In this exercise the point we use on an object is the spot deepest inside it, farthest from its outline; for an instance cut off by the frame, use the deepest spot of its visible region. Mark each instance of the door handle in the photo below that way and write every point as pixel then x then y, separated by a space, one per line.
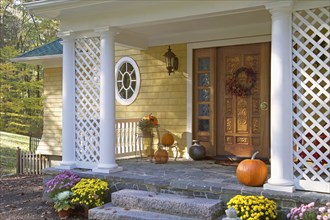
pixel 264 106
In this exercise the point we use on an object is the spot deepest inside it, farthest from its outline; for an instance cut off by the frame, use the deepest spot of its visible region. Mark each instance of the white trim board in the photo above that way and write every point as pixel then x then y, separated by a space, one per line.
pixel 47 61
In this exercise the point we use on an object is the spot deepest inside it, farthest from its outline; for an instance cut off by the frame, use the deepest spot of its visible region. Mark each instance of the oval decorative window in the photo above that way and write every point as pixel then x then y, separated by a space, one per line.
pixel 127 80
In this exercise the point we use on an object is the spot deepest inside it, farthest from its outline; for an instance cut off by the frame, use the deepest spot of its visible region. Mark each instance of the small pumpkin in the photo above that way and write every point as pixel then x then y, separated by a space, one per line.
pixel 161 156
pixel 252 172
pixel 167 139
pixel 151 118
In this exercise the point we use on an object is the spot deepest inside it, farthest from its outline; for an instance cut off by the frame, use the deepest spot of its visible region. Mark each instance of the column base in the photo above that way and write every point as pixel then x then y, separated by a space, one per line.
pixel 66 165
pixel 282 188
pixel 107 170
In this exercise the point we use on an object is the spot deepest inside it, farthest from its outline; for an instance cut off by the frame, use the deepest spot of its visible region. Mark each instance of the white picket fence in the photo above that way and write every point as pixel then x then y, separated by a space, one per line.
pixel 30 163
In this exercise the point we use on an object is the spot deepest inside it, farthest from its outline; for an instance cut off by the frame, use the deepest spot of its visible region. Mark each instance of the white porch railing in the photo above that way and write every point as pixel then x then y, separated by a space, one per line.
pixel 127 145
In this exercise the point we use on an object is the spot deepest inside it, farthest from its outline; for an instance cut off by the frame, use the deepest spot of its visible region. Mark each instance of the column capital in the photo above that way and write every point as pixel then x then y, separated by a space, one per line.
pixel 107 30
pixel 66 35
pixel 283 6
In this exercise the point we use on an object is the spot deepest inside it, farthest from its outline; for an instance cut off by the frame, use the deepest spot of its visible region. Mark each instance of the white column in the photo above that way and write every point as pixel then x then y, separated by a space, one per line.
pixel 281 100
pixel 107 162
pixel 68 102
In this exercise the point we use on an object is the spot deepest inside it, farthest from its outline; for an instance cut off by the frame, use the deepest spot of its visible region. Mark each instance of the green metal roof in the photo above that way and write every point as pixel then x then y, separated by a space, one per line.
pixel 53 48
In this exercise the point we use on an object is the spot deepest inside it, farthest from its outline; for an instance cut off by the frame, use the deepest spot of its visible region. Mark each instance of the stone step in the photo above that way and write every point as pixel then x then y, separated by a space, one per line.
pixel 178 205
pixel 110 212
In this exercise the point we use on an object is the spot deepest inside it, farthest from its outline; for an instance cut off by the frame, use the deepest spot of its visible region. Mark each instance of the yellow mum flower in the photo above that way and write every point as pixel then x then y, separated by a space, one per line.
pixel 253 207
pixel 90 192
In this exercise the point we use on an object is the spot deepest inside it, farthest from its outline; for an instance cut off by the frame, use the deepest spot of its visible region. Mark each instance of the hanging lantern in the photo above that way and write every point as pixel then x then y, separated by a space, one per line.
pixel 171 60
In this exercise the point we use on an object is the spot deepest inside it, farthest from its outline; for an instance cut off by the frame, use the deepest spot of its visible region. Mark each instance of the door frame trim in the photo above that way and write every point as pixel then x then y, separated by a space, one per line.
pixel 198 45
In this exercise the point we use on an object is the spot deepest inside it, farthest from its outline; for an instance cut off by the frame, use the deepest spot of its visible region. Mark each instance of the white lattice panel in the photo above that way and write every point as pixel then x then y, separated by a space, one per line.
pixel 87 121
pixel 311 112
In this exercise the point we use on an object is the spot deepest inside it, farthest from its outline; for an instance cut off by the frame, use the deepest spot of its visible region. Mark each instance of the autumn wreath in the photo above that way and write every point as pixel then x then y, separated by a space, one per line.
pixel 235 87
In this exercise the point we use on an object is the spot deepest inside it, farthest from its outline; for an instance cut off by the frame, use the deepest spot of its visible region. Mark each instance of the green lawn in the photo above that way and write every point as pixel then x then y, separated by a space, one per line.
pixel 8 145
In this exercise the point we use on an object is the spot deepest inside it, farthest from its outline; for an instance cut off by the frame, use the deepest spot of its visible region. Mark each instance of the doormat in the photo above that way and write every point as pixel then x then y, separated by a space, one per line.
pixel 227 162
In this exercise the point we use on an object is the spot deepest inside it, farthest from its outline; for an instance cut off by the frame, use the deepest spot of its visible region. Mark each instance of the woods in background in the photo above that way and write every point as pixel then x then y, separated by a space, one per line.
pixel 21 85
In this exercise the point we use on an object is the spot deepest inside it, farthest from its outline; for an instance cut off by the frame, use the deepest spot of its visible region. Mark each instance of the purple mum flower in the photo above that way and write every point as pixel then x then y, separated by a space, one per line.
pixel 61 182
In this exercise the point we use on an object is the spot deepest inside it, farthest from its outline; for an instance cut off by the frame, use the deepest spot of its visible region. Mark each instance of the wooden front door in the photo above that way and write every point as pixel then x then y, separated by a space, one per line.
pixel 237 98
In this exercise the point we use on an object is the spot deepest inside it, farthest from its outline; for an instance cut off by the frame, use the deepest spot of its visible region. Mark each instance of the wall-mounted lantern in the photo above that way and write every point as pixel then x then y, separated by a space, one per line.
pixel 171 60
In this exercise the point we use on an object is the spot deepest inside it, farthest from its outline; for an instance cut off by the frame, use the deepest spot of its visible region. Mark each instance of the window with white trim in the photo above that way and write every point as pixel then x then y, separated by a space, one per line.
pixel 127 81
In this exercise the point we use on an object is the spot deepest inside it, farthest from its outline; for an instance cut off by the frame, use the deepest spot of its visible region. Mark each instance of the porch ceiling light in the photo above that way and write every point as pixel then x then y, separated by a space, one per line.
pixel 171 60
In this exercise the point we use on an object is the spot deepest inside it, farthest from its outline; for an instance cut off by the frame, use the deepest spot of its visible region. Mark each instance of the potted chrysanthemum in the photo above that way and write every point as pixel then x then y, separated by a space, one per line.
pixel 89 193
pixel 253 207
pixel 310 212
pixel 61 182
pixel 58 189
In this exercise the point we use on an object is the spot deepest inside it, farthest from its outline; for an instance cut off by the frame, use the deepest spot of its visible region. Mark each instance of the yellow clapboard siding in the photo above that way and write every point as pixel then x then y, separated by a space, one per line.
pixel 160 94
pixel 51 141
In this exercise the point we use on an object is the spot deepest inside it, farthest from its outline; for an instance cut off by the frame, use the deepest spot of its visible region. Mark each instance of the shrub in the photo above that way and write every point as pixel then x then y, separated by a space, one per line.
pixel 253 207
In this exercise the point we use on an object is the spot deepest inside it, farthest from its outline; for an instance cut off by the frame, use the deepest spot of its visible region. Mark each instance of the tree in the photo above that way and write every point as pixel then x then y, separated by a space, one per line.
pixel 21 85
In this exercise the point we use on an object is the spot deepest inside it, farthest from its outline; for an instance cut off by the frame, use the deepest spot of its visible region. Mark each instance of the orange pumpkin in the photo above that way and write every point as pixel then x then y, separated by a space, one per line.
pixel 252 172
pixel 167 139
pixel 151 118
pixel 161 156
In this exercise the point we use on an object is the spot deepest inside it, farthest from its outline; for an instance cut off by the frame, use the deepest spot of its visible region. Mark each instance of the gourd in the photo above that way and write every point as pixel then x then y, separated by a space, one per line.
pixel 167 139
pixel 161 156
pixel 151 118
pixel 252 172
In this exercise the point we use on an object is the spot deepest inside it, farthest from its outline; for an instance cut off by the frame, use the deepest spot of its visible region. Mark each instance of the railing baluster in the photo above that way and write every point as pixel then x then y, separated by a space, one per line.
pixel 129 132
pixel 118 139
pixel 122 132
pixel 122 136
pixel 125 137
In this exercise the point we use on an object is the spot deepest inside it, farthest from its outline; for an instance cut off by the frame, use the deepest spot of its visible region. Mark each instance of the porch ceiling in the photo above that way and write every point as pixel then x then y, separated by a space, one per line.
pixel 158 22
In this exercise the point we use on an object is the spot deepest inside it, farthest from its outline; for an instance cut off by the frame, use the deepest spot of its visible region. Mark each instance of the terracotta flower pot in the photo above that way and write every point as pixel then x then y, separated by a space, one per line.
pixel 85 213
pixel 64 213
